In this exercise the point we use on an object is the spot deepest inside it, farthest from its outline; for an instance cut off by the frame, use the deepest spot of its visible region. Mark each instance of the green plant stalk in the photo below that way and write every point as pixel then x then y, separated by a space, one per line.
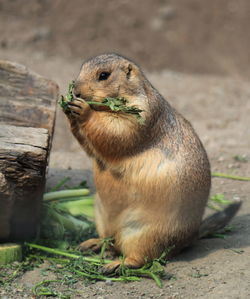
pixel 148 274
pixel 71 224
pixel 217 201
pixel 67 254
pixel 106 242
pixel 44 292
pixel 78 206
pixel 100 277
pixel 86 200
pixel 53 259
pixel 65 193
pixel 117 107
pixel 217 235
pixel 13 275
pixel 80 210
pixel 56 222
pixel 213 207
pixel 60 184
pixel 97 103
pixel 228 176
pixel 220 199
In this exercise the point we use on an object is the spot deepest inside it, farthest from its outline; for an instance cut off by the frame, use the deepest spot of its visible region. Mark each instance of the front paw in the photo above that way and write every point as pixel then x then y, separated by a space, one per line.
pixel 110 268
pixel 78 109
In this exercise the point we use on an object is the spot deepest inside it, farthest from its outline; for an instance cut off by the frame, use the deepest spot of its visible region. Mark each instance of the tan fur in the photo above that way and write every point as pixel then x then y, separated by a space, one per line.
pixel 152 180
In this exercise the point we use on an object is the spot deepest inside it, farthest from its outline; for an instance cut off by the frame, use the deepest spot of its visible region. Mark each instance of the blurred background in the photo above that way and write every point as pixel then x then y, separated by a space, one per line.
pixel 182 45
pixel 185 35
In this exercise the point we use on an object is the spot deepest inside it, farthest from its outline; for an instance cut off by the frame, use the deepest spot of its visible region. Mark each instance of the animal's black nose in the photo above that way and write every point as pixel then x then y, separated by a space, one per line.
pixel 76 92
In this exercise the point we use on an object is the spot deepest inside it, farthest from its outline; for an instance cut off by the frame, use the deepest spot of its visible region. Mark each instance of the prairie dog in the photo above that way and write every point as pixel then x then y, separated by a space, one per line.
pixel 152 179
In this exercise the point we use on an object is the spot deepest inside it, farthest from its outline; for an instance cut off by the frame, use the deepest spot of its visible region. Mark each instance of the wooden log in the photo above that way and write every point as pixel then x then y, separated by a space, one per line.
pixel 26 98
pixel 27 116
pixel 23 160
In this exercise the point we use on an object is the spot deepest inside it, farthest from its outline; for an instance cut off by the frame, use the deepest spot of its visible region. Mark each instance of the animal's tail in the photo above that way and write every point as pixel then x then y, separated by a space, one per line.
pixel 219 220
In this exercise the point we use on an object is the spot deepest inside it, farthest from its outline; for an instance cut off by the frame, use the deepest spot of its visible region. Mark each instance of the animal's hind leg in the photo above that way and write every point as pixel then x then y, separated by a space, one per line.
pixel 100 219
pixel 96 244
pixel 137 248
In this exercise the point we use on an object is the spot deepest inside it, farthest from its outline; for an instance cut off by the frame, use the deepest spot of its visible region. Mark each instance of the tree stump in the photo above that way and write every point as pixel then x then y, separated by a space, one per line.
pixel 27 116
pixel 26 98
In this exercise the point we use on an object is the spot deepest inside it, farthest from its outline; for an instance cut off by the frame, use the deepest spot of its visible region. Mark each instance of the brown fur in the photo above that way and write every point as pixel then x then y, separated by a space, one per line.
pixel 152 180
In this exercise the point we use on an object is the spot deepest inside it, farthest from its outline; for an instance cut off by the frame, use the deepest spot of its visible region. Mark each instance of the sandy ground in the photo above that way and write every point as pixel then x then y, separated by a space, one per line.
pixel 218 107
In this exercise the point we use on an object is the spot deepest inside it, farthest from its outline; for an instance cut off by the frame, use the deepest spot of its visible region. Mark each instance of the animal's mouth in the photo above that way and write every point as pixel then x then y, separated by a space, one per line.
pixel 99 107
pixel 115 105
pixel 94 104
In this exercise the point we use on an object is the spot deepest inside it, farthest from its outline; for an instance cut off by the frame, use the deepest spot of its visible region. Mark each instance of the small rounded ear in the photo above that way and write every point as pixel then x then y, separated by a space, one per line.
pixel 129 69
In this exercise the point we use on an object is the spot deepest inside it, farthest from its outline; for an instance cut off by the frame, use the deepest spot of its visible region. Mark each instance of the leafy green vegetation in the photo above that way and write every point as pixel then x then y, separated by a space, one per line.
pixel 65 100
pixel 240 158
pixel 89 267
pixel 114 104
pixel 217 201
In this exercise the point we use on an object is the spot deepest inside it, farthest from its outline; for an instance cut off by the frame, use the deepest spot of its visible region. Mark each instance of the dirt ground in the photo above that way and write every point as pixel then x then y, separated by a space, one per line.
pixel 196 54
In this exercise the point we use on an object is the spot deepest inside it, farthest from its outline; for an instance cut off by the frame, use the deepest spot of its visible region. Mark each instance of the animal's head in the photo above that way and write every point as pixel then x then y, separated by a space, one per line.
pixel 111 75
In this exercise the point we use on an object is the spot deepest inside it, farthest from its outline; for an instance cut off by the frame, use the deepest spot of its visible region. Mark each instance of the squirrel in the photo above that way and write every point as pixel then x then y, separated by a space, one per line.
pixel 152 179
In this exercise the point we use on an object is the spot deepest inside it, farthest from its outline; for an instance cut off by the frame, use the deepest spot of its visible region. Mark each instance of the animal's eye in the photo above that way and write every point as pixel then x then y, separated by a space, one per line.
pixel 103 76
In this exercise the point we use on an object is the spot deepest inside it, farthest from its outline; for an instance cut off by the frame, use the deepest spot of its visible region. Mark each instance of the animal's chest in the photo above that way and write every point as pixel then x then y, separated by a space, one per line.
pixel 137 178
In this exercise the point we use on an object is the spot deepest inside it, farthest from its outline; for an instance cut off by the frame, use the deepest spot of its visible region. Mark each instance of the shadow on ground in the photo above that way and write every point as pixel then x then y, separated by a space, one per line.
pixel 234 241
